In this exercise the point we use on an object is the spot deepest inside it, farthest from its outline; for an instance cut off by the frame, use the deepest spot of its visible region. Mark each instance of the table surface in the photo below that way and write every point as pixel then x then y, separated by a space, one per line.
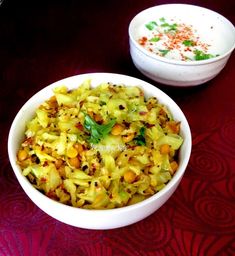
pixel 45 41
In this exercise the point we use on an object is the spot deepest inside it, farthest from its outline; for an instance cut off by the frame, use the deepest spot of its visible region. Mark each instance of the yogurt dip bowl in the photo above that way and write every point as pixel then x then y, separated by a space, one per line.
pixel 193 55
pixel 90 218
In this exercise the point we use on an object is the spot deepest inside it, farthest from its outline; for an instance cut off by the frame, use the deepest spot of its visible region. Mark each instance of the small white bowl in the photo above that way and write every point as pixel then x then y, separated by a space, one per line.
pixel 211 26
pixel 97 219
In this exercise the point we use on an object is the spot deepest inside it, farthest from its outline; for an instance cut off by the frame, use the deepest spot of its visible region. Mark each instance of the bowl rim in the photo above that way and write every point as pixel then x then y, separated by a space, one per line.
pixel 25 183
pixel 180 62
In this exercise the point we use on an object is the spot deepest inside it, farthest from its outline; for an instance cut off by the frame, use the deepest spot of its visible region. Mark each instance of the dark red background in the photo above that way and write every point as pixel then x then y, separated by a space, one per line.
pixel 44 41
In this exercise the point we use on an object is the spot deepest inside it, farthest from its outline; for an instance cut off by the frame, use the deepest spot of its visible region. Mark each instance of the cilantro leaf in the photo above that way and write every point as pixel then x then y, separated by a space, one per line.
pixel 151 25
pixel 172 27
pixel 188 43
pixel 97 131
pixel 154 39
pixel 169 27
pixel 164 52
pixel 200 55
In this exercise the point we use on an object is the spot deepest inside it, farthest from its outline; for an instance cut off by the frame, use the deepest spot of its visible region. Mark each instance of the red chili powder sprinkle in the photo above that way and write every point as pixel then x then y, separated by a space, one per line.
pixel 143 40
pixel 175 39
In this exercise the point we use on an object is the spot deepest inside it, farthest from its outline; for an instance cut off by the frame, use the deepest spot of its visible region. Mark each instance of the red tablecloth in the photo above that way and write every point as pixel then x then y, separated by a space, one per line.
pixel 44 41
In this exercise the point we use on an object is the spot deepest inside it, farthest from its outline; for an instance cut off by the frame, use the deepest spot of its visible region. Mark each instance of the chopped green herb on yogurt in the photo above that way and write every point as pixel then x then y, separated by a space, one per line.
pixel 188 43
pixel 151 25
pixel 174 40
pixel 154 39
pixel 164 52
pixel 199 55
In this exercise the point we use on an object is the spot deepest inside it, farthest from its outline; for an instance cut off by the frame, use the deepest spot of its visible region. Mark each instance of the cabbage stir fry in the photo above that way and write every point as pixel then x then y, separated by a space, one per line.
pixel 100 148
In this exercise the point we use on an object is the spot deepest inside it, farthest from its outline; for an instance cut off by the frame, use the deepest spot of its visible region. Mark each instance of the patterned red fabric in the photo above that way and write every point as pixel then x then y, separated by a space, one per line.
pixel 44 41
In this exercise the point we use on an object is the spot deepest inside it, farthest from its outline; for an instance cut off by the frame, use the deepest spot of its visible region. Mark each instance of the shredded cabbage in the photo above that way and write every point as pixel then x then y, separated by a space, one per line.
pixel 100 148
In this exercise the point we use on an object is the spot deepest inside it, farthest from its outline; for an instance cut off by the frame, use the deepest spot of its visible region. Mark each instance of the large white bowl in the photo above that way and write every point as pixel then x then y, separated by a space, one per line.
pixel 210 25
pixel 97 219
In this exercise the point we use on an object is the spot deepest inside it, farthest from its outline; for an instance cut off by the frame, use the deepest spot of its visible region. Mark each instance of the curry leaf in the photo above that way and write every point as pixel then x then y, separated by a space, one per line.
pixel 140 139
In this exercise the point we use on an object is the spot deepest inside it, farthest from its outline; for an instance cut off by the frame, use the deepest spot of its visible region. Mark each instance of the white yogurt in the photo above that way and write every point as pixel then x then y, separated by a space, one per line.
pixel 174 39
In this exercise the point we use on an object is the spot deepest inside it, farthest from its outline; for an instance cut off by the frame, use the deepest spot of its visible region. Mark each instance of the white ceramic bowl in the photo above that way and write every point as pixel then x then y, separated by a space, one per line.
pixel 212 28
pixel 97 219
